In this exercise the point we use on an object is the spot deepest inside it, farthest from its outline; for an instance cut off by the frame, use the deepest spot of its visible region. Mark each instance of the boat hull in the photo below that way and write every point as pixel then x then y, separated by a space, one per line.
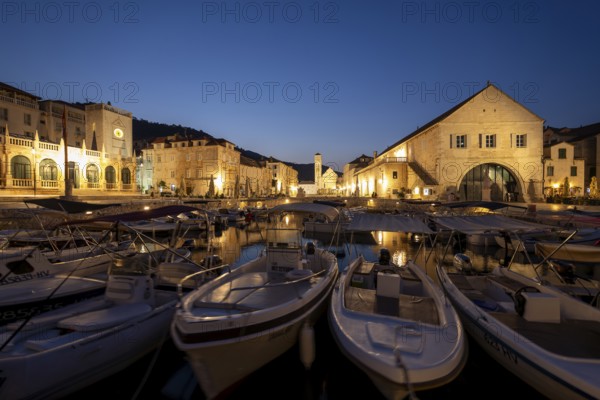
pixel 84 358
pixel 432 354
pixel 555 376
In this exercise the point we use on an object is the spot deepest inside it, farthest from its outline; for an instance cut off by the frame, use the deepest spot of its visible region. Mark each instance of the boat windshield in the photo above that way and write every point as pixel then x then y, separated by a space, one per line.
pixel 289 238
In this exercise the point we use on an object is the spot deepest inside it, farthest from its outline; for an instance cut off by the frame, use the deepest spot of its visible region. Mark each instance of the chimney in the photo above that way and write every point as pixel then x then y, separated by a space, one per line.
pixel 375 154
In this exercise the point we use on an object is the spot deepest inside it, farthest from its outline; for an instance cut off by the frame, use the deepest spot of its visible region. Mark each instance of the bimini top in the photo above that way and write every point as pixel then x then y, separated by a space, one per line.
pixel 330 212
pixel 387 223
pixel 474 224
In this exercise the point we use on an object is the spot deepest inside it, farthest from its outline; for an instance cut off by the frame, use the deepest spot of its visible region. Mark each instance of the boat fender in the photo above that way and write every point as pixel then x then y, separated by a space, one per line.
pixel 519 299
pixel 307 346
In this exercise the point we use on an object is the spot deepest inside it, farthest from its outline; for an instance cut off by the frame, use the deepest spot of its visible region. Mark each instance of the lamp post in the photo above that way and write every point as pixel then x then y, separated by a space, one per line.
pixel 34 174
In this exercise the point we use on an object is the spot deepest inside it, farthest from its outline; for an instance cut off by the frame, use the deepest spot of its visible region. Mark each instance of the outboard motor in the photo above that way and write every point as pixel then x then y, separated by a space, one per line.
pixel 310 248
pixel 462 263
pixel 384 256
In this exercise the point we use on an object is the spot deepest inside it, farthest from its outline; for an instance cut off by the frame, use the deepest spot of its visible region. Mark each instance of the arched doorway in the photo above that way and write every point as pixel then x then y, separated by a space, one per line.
pixel 92 175
pixel 126 176
pixel 501 182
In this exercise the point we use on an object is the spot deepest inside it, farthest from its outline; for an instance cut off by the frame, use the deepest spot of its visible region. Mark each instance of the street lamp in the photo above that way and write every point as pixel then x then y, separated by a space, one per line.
pixel 34 177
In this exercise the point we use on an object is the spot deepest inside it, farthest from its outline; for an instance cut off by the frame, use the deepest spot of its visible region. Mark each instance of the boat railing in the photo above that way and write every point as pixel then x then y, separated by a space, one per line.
pixel 199 273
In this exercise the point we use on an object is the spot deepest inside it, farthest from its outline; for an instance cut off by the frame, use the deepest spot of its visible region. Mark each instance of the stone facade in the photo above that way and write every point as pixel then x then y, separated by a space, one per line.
pixel 32 145
pixel 488 147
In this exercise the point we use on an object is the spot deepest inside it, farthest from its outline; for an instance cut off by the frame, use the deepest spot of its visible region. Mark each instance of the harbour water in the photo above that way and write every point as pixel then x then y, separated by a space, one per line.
pixel 164 374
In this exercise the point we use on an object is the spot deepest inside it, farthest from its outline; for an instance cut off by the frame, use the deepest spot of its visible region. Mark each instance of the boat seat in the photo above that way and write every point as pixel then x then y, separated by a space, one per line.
pixel 106 318
pixel 53 342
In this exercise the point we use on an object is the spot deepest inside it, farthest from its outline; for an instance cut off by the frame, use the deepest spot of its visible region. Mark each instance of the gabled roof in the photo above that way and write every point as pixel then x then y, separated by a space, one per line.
pixel 450 112
pixel 359 159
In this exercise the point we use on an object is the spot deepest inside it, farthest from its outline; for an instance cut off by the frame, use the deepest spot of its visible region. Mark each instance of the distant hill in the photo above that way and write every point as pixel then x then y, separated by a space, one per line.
pixel 148 130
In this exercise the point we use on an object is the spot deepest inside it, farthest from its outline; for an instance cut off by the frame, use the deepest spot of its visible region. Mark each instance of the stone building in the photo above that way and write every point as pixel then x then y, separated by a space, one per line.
pixel 487 147
pixel 586 147
pixel 37 151
pixel 563 172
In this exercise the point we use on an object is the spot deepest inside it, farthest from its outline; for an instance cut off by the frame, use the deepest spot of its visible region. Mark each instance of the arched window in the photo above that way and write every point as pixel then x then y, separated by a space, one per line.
pixel 21 167
pixel 48 170
pixel 111 175
pixel 126 176
pixel 91 174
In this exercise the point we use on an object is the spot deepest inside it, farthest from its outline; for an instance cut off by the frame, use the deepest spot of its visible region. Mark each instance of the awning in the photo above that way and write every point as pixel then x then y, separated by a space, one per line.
pixel 387 223
pixel 68 206
pixel 474 224
pixel 330 212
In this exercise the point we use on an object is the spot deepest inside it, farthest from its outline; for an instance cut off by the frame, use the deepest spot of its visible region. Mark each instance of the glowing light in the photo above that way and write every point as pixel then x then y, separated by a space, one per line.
pixel 146 207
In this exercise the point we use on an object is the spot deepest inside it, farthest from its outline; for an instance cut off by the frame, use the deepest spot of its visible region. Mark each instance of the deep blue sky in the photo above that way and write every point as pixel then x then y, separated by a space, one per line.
pixel 289 79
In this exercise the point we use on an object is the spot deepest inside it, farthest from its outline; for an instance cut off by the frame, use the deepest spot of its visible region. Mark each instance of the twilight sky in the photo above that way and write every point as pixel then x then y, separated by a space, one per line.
pixel 289 79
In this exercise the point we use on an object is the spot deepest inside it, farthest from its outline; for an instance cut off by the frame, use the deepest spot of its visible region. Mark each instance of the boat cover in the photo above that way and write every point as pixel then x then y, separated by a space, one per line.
pixel 569 252
pixel 478 224
pixel 330 212
pixel 387 223
pixel 68 206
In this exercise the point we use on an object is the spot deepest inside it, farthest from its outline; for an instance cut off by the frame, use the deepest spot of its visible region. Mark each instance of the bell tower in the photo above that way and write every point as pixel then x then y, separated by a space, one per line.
pixel 318 172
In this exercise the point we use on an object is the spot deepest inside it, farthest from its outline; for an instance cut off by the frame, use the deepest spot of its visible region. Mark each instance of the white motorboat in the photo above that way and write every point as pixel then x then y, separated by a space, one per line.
pixel 389 319
pixel 243 319
pixel 74 346
pixel 543 335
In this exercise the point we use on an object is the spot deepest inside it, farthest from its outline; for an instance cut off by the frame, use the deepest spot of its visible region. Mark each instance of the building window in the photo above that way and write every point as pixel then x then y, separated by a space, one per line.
pixel 490 141
pixel 521 140
pixel 172 157
pixel 562 153
pixel 188 173
pixel 550 170
pixel 27 119
pixel 394 174
pixel 198 173
pixel 461 141
pixel 188 157
pixel 172 174
pixel 158 159
pixel 198 156
pixel 573 171
pixel 4 114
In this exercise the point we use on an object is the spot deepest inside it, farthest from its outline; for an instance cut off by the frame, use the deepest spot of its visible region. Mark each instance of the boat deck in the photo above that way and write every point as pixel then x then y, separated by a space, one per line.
pixel 569 338
pixel 409 307
pixel 249 292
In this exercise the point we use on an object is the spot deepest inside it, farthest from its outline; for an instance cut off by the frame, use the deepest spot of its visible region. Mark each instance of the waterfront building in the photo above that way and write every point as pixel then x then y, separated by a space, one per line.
pixel 563 171
pixel 35 133
pixel 193 165
pixel 488 147
pixel 284 179
pixel 586 147
pixel 325 180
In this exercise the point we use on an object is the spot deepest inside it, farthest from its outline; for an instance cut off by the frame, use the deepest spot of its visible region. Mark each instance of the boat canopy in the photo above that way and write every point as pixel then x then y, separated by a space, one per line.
pixel 68 206
pixel 330 212
pixel 139 215
pixel 569 252
pixel 477 224
pixel 387 223
pixel 490 205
